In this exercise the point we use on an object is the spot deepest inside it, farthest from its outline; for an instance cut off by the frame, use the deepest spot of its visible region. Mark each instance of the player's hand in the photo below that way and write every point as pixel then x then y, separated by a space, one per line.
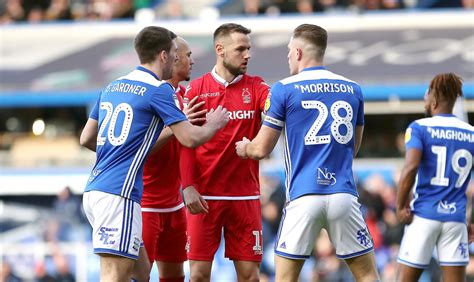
pixel 194 202
pixel 404 215
pixel 470 233
pixel 191 111
pixel 218 117
pixel 240 147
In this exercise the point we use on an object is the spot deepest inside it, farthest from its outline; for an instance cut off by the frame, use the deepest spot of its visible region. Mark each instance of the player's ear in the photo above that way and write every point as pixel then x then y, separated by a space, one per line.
pixel 219 49
pixel 299 54
pixel 163 56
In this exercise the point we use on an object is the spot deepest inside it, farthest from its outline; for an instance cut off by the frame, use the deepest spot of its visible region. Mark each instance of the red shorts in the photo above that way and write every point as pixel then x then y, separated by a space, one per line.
pixel 164 235
pixel 242 225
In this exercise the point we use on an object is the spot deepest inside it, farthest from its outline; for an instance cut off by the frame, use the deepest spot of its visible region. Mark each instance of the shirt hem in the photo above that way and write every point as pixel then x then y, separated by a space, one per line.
pixel 232 198
pixel 172 209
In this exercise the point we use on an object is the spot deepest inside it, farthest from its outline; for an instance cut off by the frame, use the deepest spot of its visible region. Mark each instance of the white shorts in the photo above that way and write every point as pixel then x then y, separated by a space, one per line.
pixel 339 214
pixel 116 224
pixel 422 235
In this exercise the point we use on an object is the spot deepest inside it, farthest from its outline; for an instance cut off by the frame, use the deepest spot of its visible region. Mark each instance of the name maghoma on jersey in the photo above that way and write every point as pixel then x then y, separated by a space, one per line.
pixel 450 134
pixel 325 87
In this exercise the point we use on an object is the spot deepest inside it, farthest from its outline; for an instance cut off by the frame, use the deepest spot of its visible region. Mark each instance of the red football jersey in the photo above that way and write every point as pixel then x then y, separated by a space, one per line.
pixel 161 181
pixel 218 173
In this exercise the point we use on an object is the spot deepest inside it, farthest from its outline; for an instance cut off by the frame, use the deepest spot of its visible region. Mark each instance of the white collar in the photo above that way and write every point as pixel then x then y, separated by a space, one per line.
pixel 222 81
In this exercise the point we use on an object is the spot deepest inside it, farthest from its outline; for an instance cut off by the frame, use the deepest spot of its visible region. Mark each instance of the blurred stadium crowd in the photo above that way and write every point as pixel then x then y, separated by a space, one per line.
pixel 53 10
pixel 63 223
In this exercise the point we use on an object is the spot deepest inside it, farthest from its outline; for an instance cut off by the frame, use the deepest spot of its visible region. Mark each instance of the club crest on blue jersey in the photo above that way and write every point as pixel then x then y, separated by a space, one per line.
pixel 176 101
pixel 326 177
pixel 136 243
pixel 246 96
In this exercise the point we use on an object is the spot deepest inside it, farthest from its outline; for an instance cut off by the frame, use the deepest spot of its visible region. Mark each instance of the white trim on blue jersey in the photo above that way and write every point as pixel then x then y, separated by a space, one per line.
pixel 319 74
pixel 445 121
pixel 139 158
pixel 145 77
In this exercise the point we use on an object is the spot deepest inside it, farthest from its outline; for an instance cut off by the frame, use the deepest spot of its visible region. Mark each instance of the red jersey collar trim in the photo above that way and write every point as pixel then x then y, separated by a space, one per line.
pixel 222 81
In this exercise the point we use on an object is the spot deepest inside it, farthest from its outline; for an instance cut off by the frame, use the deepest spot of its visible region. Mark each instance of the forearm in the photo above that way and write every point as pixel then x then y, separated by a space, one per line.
pixel 91 145
pixel 358 139
pixel 164 137
pixel 469 207
pixel 201 134
pixel 407 179
pixel 255 151
pixel 187 159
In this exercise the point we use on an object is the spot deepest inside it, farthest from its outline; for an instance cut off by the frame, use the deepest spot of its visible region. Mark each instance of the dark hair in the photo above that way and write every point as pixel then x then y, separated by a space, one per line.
pixel 228 28
pixel 151 40
pixel 446 87
pixel 315 35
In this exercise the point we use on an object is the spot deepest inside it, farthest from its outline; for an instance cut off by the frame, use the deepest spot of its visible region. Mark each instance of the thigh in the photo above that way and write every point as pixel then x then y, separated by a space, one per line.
pixel 171 245
pixel 115 268
pixel 117 225
pixel 418 242
pixel 452 244
pixel 152 228
pixel 301 223
pixel 243 230
pixel 346 226
pixel 204 232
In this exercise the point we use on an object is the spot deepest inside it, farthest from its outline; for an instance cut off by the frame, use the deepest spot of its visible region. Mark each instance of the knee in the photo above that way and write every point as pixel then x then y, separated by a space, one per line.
pixel 251 276
pixel 199 276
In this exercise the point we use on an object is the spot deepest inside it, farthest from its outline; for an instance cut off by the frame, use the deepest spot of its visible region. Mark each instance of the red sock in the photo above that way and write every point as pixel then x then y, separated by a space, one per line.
pixel 176 279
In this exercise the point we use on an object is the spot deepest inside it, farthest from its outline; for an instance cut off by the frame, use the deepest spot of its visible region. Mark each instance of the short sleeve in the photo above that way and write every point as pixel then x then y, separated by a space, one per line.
pixel 164 103
pixel 95 110
pixel 262 93
pixel 275 107
pixel 414 136
pixel 360 113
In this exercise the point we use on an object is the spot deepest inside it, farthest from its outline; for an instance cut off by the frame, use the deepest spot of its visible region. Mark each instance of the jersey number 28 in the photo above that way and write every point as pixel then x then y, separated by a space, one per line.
pixel 462 171
pixel 111 116
pixel 312 138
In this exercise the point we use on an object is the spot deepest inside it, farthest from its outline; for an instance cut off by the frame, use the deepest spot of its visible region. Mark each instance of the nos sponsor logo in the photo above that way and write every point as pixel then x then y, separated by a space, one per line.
pixel 325 177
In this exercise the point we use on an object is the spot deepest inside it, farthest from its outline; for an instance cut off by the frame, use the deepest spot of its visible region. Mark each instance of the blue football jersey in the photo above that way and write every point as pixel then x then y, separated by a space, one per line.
pixel 131 112
pixel 447 146
pixel 319 111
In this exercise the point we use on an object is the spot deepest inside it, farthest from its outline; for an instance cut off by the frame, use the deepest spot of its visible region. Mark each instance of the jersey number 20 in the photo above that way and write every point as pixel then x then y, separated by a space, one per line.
pixel 462 171
pixel 312 138
pixel 111 116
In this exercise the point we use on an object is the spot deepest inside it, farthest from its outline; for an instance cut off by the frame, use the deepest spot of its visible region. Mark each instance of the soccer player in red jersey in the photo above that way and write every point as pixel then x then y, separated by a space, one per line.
pixel 163 214
pixel 221 191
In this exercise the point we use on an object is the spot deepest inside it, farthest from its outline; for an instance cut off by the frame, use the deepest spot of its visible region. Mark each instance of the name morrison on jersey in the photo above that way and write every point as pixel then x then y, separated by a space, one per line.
pixel 325 87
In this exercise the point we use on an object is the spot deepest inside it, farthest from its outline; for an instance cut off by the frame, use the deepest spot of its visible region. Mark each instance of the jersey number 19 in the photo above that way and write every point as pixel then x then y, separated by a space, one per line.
pixel 462 171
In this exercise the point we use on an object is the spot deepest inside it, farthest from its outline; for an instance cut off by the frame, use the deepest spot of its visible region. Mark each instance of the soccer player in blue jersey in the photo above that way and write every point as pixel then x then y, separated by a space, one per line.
pixel 123 126
pixel 323 117
pixel 439 153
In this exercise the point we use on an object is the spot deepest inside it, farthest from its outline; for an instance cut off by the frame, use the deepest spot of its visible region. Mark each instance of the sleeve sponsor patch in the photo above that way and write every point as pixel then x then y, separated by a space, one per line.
pixel 274 121
pixel 408 135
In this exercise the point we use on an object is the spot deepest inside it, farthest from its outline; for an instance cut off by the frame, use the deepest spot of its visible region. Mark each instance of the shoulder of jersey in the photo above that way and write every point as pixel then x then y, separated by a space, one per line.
pixel 314 74
pixel 203 77
pixel 144 77
pixel 444 122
